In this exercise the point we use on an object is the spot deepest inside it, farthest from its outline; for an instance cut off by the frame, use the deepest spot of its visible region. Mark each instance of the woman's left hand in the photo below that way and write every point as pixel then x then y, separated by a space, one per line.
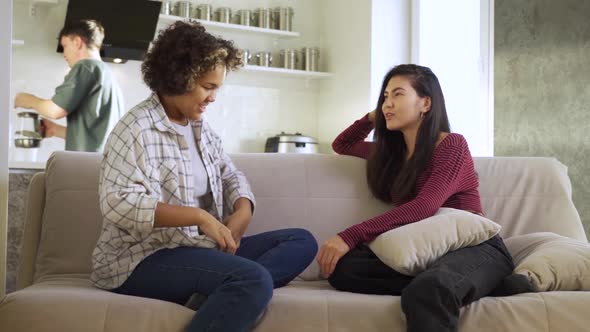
pixel 235 225
pixel 330 253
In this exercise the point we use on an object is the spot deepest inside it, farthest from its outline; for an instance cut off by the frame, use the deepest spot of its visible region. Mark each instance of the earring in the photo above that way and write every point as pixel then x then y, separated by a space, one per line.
pixel 422 115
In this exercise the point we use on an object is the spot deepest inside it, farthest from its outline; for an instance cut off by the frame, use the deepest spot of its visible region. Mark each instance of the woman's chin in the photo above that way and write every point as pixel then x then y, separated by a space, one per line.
pixel 196 116
pixel 391 127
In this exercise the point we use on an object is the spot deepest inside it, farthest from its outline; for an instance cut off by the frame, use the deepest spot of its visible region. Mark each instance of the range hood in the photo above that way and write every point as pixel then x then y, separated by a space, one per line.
pixel 129 25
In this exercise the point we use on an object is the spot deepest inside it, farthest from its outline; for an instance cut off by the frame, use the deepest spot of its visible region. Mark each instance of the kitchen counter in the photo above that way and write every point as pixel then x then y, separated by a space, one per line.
pixel 26 165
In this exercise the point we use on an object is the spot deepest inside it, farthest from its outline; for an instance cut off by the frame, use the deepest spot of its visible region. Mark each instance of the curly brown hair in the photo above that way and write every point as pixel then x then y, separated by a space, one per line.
pixel 181 54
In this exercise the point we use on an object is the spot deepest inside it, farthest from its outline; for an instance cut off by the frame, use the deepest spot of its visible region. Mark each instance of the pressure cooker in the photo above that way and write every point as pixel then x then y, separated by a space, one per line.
pixel 291 143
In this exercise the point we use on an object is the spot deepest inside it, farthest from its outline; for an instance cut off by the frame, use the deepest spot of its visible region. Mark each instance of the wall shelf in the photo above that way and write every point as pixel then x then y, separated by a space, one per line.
pixel 287 72
pixel 218 26
pixel 18 42
pixel 230 27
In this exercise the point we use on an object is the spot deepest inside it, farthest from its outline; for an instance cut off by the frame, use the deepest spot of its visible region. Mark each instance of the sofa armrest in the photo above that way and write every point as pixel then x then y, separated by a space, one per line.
pixel 35 204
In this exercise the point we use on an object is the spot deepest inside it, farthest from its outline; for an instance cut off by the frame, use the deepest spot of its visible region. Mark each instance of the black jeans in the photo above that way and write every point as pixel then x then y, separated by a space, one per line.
pixel 432 299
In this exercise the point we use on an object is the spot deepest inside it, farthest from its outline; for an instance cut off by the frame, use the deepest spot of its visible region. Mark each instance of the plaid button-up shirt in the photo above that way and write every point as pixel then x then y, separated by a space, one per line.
pixel 147 161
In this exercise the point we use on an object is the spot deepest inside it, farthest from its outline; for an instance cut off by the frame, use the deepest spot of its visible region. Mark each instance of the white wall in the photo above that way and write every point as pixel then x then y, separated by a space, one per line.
pixel 390 40
pixel 363 39
pixel 5 58
pixel 346 27
pixel 249 108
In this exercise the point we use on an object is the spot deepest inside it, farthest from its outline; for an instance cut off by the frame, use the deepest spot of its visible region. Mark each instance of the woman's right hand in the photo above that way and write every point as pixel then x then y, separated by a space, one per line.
pixel 218 232
pixel 372 115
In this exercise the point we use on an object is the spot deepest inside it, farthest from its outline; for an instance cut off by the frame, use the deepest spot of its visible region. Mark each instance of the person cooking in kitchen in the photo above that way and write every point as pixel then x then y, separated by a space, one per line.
pixel 89 97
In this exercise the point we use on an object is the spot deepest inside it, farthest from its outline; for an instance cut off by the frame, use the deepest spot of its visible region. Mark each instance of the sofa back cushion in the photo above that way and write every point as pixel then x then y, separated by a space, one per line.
pixel 322 193
pixel 528 195
pixel 328 193
pixel 72 219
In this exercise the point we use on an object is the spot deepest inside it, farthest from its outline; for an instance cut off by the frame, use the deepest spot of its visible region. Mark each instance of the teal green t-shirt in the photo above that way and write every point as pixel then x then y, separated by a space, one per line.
pixel 93 100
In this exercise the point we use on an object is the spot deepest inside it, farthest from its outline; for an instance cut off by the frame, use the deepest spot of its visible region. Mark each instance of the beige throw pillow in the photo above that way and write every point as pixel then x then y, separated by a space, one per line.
pixel 551 261
pixel 410 249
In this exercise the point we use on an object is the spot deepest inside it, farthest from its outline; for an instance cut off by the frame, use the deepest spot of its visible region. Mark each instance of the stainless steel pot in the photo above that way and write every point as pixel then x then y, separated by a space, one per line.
pixel 244 17
pixel 283 18
pixel 183 8
pixel 263 59
pixel 310 58
pixel 288 58
pixel 203 12
pixel 166 8
pixel 223 15
pixel 262 18
pixel 246 56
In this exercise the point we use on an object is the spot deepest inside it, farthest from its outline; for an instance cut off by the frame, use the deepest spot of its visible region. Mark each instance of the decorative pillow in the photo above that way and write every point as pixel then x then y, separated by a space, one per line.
pixel 410 249
pixel 551 261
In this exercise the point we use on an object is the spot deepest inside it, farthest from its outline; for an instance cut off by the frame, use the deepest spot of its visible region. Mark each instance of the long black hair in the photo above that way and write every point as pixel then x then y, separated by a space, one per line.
pixel 389 174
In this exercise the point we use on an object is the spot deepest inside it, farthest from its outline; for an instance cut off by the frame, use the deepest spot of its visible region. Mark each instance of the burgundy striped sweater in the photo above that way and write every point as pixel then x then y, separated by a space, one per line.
pixel 448 181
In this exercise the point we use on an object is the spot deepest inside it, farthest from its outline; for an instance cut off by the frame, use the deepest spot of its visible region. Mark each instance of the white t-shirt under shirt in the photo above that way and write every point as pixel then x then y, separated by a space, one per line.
pixel 201 184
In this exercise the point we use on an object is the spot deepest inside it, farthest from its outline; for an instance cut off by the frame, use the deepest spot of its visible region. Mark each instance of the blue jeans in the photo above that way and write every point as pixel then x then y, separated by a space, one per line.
pixel 238 287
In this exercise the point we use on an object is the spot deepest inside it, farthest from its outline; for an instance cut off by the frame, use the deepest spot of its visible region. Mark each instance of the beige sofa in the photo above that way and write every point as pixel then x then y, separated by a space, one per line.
pixel 323 193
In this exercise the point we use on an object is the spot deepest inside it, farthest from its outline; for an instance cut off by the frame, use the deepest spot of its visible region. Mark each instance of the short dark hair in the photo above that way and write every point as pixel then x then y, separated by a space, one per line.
pixel 90 31
pixel 182 53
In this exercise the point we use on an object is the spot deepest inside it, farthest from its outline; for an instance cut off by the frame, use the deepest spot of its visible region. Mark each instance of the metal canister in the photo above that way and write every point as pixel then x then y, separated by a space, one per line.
pixel 283 18
pixel 263 58
pixel 288 58
pixel 183 8
pixel 223 15
pixel 244 17
pixel 166 8
pixel 310 57
pixel 262 18
pixel 246 56
pixel 203 12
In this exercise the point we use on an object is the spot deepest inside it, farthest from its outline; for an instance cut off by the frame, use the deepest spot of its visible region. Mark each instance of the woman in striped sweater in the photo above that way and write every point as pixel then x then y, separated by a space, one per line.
pixel 417 164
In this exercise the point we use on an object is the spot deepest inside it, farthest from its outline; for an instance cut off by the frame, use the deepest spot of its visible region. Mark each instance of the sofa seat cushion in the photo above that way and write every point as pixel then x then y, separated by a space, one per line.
pixel 316 306
pixel 73 304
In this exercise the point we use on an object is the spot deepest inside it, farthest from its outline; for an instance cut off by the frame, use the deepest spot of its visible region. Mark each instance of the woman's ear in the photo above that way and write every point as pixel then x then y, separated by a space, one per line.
pixel 427 103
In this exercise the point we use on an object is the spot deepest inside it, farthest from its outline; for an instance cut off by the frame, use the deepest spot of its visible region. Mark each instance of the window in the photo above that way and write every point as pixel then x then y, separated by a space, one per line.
pixel 455 39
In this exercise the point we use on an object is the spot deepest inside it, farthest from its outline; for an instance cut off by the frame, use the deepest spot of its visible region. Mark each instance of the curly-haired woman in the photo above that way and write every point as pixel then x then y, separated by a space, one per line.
pixel 174 205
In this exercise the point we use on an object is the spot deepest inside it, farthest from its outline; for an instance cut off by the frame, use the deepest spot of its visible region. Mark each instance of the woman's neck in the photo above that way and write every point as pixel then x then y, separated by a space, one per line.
pixel 172 111
pixel 410 139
